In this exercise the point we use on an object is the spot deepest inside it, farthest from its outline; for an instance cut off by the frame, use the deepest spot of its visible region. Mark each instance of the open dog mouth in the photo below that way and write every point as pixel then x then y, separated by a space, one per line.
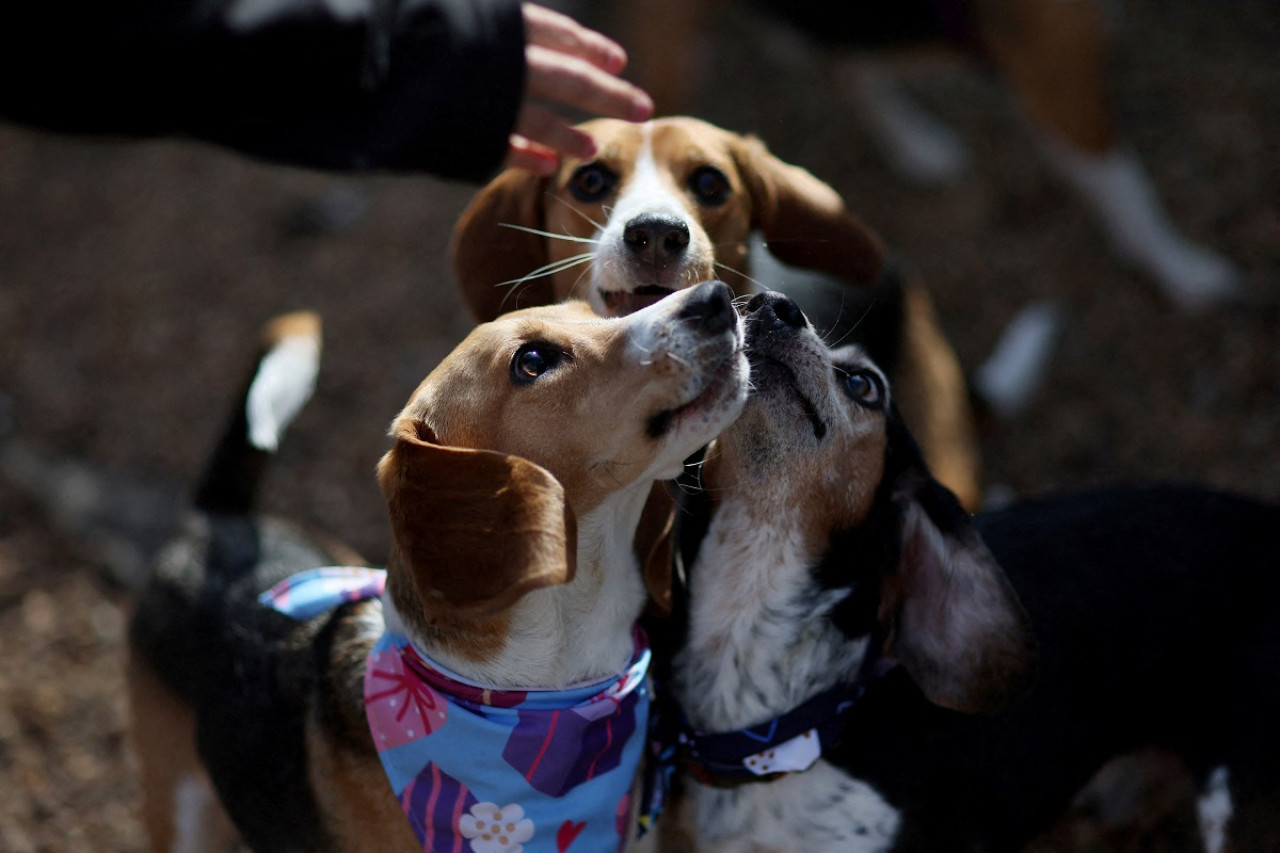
pixel 619 303
pixel 719 385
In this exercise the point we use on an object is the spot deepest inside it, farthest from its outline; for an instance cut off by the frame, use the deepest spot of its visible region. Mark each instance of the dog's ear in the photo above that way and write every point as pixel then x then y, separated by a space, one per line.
pixel 475 529
pixel 804 221
pixel 490 257
pixel 653 546
pixel 950 615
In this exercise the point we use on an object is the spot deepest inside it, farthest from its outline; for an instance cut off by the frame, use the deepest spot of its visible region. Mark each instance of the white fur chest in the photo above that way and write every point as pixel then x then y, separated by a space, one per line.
pixel 822 810
pixel 759 642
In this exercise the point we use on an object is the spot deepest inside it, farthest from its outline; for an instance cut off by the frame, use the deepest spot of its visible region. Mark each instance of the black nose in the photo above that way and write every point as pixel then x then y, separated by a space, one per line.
pixel 710 307
pixel 656 239
pixel 777 305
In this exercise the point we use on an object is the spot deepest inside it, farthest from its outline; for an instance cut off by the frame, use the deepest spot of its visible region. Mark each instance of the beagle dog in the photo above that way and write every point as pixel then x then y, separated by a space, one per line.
pixel 490 685
pixel 675 201
pixel 867 668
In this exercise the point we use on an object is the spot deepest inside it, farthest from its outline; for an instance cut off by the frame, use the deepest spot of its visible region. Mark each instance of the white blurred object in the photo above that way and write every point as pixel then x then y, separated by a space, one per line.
pixel 918 146
pixel 1116 187
pixel 1016 368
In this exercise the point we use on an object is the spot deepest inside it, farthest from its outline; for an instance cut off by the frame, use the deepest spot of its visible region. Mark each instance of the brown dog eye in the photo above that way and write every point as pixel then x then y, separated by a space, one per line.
pixel 592 182
pixel 534 359
pixel 863 387
pixel 710 186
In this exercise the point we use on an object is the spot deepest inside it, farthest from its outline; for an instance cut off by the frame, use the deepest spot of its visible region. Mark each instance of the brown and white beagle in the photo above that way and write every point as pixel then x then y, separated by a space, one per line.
pixel 867 668
pixel 675 201
pixel 518 474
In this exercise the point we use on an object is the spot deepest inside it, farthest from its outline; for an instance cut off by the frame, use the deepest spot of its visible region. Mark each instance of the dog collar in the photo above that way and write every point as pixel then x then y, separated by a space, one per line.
pixel 479 770
pixel 789 743
pixel 785 744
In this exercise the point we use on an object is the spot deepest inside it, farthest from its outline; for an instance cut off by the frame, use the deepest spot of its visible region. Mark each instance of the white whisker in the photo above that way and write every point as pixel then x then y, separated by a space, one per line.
pixel 550 269
pixel 738 272
pixel 589 220
pixel 550 234
pixel 854 327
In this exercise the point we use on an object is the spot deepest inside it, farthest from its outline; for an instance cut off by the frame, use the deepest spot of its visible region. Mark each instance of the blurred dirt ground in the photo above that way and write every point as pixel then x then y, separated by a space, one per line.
pixel 133 278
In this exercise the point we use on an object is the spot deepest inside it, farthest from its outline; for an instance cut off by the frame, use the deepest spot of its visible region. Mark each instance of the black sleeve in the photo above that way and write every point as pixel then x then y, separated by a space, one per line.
pixel 408 85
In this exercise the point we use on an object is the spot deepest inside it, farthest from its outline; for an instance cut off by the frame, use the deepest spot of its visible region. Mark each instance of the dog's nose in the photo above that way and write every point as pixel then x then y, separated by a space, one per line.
pixel 778 305
pixel 656 239
pixel 710 307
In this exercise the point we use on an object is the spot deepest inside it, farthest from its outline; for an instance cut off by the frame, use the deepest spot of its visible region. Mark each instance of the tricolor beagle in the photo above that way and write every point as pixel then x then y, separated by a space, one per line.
pixel 860 667
pixel 673 202
pixel 489 686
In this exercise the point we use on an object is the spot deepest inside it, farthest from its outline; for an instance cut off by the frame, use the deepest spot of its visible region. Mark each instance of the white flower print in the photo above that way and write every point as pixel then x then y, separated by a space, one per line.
pixel 496 830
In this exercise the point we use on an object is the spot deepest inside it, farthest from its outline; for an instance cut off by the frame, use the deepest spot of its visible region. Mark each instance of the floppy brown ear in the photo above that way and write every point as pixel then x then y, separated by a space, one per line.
pixel 475 529
pixel 653 545
pixel 490 258
pixel 952 618
pixel 804 221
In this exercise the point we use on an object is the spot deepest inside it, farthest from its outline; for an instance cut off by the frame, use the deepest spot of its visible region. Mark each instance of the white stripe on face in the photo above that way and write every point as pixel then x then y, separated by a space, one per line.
pixel 650 190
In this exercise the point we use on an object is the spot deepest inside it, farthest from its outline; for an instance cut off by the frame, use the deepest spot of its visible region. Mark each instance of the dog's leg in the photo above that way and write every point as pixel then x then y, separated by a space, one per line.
pixel 668 49
pixel 1213 809
pixel 918 146
pixel 180 810
pixel 934 400
pixel 1015 370
pixel 1116 186
pixel 1053 53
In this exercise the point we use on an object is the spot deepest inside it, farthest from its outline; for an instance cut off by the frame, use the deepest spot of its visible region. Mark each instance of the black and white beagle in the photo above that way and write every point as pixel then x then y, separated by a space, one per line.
pixel 867 668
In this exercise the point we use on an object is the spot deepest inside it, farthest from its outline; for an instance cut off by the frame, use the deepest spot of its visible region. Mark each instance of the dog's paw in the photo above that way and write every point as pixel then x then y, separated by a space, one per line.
pixel 1194 277
pixel 919 147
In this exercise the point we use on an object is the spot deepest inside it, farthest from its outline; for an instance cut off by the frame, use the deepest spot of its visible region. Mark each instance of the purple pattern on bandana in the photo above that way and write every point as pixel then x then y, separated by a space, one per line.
pixel 435 799
pixel 580 743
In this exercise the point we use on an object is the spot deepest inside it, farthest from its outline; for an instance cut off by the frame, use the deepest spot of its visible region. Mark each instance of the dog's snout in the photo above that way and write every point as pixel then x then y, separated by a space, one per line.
pixel 773 306
pixel 710 307
pixel 656 239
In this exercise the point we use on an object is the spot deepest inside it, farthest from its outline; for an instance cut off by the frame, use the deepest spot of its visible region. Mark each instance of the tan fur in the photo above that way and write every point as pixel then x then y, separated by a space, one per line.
pixel 804 221
pixel 297 324
pixel 490 473
pixel 468 400
pixel 351 791
pixel 162 732
pixel 1051 52
pixel 932 395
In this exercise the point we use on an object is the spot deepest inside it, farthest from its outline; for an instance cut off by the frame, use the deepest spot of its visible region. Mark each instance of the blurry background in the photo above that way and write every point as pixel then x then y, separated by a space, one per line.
pixel 134 277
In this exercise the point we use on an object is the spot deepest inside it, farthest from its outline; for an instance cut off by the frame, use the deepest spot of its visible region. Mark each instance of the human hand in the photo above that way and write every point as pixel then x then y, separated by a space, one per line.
pixel 571 66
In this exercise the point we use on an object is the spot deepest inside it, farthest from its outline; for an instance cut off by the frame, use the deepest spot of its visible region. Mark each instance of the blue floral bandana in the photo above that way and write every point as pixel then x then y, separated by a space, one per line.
pixel 478 770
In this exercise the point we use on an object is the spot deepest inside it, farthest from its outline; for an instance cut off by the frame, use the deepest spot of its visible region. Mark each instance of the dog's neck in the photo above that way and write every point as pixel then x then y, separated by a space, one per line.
pixel 559 636
pixel 760 640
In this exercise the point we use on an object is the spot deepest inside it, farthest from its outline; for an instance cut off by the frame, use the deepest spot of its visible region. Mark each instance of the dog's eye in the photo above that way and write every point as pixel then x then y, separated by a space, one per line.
pixel 710 185
pixel 592 182
pixel 534 359
pixel 863 387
